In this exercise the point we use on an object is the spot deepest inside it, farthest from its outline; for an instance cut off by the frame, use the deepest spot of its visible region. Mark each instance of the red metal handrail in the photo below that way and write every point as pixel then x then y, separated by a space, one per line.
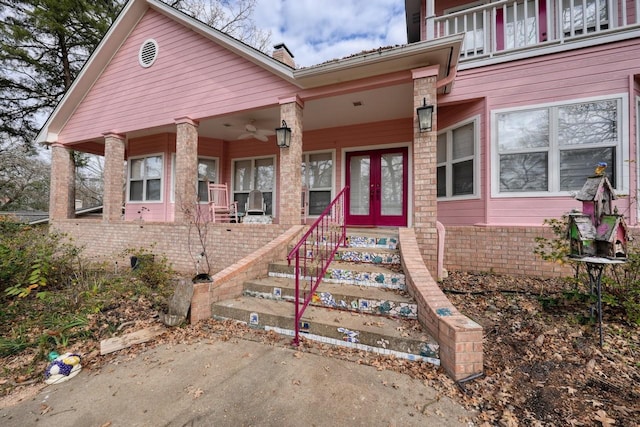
pixel 315 251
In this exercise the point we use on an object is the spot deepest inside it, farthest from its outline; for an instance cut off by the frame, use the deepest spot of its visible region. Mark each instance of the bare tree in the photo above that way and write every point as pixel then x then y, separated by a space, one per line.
pixel 24 180
pixel 234 18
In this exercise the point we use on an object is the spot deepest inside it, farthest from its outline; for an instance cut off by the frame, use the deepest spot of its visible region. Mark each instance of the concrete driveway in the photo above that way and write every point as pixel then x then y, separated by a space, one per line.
pixel 235 383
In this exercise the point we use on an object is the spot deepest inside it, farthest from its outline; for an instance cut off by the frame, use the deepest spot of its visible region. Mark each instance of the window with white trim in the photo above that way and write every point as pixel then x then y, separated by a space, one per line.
pixel 207 172
pixel 254 174
pixel 554 149
pixel 457 159
pixel 145 178
pixel 317 177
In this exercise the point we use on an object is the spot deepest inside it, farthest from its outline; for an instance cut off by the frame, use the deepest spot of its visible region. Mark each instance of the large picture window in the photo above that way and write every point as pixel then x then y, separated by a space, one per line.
pixel 317 178
pixel 145 178
pixel 457 157
pixel 554 149
pixel 254 174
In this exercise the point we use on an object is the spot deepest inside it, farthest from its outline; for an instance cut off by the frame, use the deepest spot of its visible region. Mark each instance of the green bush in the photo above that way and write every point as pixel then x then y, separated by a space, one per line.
pixel 31 258
pixel 620 283
pixel 151 269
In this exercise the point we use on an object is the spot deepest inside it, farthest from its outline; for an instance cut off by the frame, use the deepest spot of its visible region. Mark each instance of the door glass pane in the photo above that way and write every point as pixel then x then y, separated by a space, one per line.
pixel 360 178
pixel 264 174
pixel 523 172
pixel 520 30
pixel 392 172
pixel 242 176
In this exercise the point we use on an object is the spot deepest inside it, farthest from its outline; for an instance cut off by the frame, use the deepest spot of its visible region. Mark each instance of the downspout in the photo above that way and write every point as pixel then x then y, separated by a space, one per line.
pixel 448 79
pixel 441 272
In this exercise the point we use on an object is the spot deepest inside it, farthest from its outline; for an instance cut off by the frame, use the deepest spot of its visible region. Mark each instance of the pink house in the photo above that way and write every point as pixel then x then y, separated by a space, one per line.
pixel 528 97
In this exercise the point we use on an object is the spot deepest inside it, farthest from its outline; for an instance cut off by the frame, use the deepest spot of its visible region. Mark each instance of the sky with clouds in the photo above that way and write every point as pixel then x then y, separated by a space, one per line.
pixel 317 31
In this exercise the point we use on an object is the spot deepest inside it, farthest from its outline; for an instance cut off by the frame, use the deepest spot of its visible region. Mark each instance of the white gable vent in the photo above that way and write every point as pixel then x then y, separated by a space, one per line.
pixel 148 53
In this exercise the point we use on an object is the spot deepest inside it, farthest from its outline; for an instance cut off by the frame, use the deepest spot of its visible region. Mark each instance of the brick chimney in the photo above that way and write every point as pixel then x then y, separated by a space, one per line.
pixel 282 54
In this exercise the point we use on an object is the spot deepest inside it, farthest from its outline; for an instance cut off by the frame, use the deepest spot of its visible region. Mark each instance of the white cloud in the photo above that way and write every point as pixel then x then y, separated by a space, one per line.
pixel 316 31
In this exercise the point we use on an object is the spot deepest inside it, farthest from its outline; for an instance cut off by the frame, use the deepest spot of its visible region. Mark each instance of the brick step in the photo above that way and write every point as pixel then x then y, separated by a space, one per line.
pixel 402 338
pixel 368 300
pixel 371 275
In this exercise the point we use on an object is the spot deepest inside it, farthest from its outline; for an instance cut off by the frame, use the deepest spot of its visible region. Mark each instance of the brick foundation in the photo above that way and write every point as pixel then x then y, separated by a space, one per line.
pixel 460 338
pixel 227 243
pixel 502 250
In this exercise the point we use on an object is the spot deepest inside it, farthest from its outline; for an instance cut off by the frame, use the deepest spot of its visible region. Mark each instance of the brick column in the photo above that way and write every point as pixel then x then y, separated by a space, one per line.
pixel 424 168
pixel 114 179
pixel 291 163
pixel 186 168
pixel 62 198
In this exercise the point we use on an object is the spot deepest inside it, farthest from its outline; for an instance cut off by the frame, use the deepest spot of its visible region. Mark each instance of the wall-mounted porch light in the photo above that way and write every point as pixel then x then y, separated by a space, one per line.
pixel 425 116
pixel 283 135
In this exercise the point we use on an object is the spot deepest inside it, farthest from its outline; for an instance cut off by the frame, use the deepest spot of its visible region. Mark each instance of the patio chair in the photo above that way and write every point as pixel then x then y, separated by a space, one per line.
pixel 255 203
pixel 220 207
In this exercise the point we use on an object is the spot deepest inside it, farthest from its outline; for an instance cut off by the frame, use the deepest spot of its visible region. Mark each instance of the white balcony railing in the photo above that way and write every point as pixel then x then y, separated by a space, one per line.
pixel 516 24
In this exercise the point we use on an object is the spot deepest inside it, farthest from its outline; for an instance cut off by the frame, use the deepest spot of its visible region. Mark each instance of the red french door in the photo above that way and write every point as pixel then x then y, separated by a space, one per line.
pixel 377 187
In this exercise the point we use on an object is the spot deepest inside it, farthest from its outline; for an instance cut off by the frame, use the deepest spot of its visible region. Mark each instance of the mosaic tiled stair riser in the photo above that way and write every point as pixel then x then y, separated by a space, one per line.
pixel 369 306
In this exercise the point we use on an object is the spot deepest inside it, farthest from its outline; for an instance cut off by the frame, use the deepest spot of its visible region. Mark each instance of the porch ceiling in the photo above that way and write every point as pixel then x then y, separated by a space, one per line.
pixel 367 106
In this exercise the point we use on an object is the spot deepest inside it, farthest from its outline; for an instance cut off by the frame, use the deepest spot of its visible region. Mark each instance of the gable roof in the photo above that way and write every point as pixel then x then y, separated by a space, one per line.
pixel 443 52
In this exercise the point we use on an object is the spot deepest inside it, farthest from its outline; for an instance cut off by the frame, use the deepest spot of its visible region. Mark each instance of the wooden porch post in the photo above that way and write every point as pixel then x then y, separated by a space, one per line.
pixel 113 177
pixel 290 163
pixel 424 167
pixel 186 197
pixel 62 198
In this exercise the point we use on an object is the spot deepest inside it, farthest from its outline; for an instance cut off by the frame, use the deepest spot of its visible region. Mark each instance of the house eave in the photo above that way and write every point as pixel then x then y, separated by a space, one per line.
pixel 444 52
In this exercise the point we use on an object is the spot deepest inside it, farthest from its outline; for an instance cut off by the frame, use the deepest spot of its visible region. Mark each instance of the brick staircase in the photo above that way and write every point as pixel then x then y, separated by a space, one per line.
pixel 361 302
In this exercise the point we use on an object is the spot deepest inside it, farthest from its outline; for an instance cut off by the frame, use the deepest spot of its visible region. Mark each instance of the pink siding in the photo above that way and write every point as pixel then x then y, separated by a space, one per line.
pixel 470 211
pixel 192 76
pixel 576 74
pixel 598 71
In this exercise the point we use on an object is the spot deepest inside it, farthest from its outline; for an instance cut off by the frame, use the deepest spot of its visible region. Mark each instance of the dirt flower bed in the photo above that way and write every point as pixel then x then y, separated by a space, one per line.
pixel 543 361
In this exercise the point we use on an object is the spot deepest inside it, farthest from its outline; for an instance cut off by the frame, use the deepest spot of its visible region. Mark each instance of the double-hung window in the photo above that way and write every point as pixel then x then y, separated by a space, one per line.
pixel 254 174
pixel 555 148
pixel 457 161
pixel 207 172
pixel 317 178
pixel 145 178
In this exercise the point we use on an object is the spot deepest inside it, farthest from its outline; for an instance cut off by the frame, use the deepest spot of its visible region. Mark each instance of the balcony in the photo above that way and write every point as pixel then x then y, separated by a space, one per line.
pixel 510 26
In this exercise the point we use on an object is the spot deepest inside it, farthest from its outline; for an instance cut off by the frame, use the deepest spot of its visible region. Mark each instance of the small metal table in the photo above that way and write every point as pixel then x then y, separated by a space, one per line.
pixel 595 266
